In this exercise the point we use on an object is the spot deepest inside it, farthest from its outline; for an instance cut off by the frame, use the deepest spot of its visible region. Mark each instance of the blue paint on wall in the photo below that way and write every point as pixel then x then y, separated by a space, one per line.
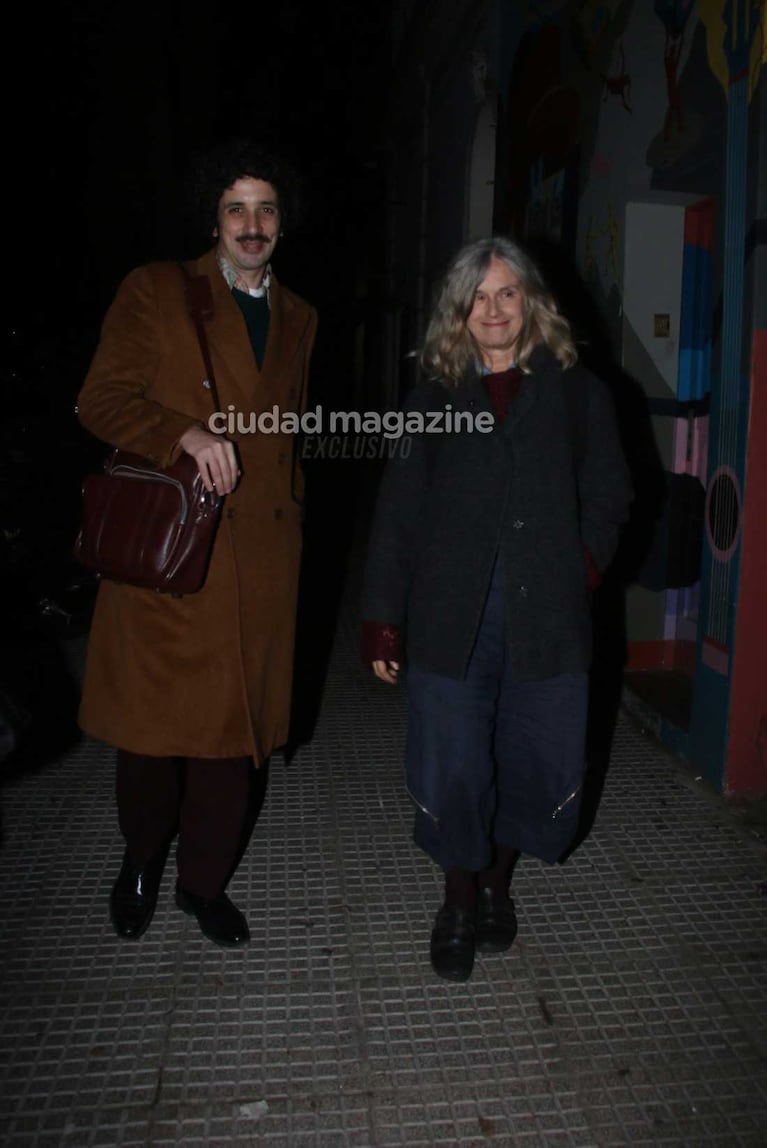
pixel 694 378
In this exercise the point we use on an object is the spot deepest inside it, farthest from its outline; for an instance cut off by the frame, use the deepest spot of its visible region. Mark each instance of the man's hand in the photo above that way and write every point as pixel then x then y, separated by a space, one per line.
pixel 215 457
pixel 386 671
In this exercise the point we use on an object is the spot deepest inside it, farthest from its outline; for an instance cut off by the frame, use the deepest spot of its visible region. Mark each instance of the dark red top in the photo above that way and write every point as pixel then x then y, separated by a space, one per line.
pixel 502 388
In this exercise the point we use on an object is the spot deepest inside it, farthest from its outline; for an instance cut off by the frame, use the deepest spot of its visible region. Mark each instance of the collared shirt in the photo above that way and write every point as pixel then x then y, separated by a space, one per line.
pixel 233 279
pixel 485 370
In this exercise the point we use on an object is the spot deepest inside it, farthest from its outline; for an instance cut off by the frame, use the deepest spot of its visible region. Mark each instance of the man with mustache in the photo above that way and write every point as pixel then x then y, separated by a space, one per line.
pixel 194 691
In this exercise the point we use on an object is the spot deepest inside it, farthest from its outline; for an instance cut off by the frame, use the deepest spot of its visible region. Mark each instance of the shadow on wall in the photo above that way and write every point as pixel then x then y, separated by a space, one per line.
pixel 637 437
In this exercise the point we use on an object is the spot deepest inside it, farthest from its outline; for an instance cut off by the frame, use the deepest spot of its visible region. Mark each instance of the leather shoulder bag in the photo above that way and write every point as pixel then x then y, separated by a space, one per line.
pixel 151 526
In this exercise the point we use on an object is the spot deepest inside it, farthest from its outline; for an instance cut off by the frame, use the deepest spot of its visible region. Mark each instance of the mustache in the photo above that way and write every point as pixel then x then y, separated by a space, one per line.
pixel 255 235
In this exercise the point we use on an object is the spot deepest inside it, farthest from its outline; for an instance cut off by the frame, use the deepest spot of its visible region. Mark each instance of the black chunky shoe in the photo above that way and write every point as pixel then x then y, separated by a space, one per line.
pixel 220 920
pixel 496 922
pixel 452 943
pixel 134 895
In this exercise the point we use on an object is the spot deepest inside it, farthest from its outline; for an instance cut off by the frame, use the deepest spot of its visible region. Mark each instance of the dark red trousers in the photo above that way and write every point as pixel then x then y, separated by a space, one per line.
pixel 204 799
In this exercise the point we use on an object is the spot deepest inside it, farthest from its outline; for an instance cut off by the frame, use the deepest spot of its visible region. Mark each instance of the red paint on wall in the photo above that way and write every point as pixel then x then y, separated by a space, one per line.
pixel 648 655
pixel 661 654
pixel 699 223
pixel 746 766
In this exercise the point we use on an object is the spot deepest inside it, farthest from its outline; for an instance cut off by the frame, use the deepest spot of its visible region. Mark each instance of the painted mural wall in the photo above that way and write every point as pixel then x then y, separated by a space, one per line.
pixel 630 154
pixel 608 102
pixel 627 157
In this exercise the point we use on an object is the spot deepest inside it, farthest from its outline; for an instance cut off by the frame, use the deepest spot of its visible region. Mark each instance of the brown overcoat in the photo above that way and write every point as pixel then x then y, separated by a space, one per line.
pixel 208 674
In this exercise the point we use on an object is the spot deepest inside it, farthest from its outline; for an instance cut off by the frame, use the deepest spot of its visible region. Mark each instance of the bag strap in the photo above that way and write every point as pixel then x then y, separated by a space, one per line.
pixel 199 304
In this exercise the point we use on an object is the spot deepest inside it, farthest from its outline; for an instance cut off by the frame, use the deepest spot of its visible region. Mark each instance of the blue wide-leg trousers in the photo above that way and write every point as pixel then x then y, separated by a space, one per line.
pixel 489 759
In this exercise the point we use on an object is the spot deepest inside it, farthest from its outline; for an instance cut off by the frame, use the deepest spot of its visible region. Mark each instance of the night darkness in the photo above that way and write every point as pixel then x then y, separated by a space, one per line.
pixel 108 103
pixel 118 97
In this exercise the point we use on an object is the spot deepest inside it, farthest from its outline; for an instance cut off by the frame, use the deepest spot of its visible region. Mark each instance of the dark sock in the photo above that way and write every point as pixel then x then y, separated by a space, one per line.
pixel 461 888
pixel 498 875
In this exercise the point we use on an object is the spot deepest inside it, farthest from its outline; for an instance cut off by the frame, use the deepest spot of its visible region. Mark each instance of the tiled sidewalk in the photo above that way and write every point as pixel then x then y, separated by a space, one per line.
pixel 631 1011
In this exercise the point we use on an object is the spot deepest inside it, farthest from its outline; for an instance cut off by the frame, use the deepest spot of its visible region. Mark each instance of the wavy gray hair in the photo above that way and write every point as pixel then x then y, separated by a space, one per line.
pixel 449 347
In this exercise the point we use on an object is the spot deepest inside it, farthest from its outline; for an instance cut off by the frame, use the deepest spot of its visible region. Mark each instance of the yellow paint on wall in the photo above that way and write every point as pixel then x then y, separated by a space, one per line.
pixel 710 12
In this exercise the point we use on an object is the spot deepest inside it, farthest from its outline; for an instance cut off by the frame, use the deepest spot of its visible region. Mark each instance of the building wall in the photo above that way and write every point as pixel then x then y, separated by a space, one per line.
pixel 443 64
pixel 628 155
pixel 746 761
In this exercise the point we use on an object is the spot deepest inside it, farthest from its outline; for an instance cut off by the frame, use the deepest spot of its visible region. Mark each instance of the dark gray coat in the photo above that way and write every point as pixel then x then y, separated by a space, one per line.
pixel 543 484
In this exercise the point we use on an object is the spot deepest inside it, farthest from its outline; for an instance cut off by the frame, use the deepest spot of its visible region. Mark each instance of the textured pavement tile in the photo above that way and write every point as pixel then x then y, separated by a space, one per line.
pixel 632 1009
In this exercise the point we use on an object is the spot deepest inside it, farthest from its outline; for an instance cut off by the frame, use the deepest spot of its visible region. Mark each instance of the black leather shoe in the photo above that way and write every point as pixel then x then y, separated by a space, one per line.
pixel 452 943
pixel 134 895
pixel 220 920
pixel 496 922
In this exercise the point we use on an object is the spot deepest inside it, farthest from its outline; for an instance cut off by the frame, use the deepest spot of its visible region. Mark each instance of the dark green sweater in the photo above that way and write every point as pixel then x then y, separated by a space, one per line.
pixel 256 312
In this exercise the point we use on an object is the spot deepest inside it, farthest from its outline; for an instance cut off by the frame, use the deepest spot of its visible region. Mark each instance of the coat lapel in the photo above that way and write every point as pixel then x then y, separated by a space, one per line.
pixel 286 327
pixel 229 342
pixel 245 385
pixel 545 370
pixel 472 395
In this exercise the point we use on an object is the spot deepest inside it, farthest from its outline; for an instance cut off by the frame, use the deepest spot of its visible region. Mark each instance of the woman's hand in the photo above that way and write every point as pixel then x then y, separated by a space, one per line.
pixel 215 457
pixel 386 671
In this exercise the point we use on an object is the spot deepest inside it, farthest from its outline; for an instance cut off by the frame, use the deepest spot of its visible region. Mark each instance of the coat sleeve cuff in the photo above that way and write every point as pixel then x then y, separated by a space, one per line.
pixel 381 642
pixel 593 576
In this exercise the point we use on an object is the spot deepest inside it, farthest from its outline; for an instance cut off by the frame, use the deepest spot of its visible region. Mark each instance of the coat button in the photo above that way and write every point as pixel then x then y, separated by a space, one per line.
pixel 281 456
pixel 229 512
pixel 523 591
pixel 278 515
pixel 518 524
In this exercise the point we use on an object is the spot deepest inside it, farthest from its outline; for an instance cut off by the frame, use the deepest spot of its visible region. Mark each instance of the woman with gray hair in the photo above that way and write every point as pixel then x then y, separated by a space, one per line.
pixel 486 544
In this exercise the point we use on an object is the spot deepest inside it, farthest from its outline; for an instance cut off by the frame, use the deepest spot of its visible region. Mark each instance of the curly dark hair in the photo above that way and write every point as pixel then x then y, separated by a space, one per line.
pixel 222 165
